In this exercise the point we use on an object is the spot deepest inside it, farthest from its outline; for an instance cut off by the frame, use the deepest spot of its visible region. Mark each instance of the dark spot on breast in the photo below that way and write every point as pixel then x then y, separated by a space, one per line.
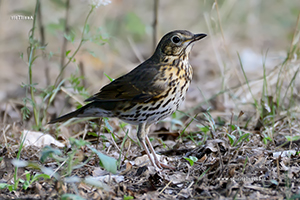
pixel 164 105
pixel 178 71
pixel 129 107
pixel 172 83
pixel 138 108
pixel 156 107
pixel 163 116
pixel 181 89
pixel 149 115
pixel 145 108
pixel 164 111
pixel 175 62
pixel 174 90
pixel 167 93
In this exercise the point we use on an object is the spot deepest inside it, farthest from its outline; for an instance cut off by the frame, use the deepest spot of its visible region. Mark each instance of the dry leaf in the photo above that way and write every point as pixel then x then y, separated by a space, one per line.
pixel 39 139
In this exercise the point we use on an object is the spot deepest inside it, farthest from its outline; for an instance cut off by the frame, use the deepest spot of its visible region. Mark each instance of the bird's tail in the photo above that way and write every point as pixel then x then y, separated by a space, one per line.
pixel 68 116
pixel 93 109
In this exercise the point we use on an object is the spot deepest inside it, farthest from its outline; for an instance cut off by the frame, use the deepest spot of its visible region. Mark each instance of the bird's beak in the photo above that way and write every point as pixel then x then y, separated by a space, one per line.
pixel 189 43
pixel 198 36
pixel 195 38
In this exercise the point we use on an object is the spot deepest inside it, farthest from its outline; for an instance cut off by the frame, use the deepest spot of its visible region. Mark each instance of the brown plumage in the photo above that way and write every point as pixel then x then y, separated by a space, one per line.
pixel 150 92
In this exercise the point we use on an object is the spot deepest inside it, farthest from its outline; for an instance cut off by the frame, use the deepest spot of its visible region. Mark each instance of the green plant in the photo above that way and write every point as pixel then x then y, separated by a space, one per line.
pixel 70 162
pixel 71 197
pixel 77 86
pixel 127 197
pixel 16 179
pixel 108 163
pixel 211 123
pixel 235 140
pixel 191 160
pixel 32 178
pixel 19 163
pixel 33 45
pixel 48 94
pixel 204 130
pixel 122 147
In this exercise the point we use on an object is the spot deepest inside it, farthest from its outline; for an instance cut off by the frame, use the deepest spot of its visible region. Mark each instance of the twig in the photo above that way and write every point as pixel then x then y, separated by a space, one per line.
pixel 4 130
pixel 227 51
pixel 113 141
pixel 155 9
pixel 294 35
pixel 189 171
pixel 80 44
pixel 42 42
pixel 64 45
pixel 71 95
pixel 165 187
pixel 5 114
pixel 58 168
pixel 31 59
pixel 221 29
pixel 85 131
pixel 135 50
pixel 98 138
pixel 81 68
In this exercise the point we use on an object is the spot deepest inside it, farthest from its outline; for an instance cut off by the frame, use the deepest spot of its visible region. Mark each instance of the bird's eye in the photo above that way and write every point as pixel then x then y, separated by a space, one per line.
pixel 175 39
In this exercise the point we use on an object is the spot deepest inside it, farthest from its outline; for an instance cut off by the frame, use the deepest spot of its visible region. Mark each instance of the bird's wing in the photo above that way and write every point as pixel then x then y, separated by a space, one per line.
pixel 139 85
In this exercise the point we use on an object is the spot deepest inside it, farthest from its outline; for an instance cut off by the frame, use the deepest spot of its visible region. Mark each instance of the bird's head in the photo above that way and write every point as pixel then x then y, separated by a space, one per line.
pixel 177 43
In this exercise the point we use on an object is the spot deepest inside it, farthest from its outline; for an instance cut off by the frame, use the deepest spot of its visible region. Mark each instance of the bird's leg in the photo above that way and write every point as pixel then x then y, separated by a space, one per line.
pixel 141 134
pixel 158 163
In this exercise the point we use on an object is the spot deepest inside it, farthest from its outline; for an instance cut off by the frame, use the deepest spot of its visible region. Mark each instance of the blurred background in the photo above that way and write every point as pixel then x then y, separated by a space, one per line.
pixel 261 32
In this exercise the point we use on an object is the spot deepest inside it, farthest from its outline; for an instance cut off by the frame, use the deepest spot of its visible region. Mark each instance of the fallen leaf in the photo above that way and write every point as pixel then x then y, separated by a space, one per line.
pixel 284 153
pixel 39 139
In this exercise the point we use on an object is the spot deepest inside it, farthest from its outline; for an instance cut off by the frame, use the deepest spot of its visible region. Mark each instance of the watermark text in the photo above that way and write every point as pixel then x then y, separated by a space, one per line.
pixel 21 17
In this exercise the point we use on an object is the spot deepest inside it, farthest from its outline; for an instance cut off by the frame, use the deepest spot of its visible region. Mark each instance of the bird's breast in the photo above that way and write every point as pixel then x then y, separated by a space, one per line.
pixel 176 78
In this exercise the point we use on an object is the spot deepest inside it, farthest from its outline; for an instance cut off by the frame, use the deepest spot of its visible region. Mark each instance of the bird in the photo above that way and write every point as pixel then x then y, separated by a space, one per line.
pixel 149 93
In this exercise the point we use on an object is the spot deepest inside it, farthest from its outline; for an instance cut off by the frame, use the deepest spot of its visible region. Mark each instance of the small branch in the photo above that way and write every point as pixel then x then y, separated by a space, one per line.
pixel 64 45
pixel 135 50
pixel 80 44
pixel 155 23
pixel 72 96
pixel 31 58
pixel 294 35
pixel 42 42
pixel 81 68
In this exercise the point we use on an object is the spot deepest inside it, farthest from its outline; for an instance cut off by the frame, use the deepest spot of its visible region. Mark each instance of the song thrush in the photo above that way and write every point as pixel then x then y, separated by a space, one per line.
pixel 150 92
